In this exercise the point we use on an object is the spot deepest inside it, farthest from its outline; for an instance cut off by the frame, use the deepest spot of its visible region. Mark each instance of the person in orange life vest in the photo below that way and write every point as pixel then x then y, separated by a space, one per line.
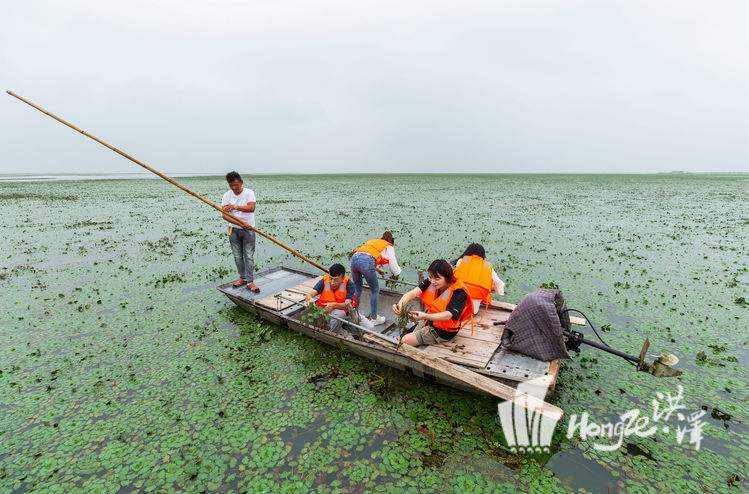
pixel 447 303
pixel 337 295
pixel 366 262
pixel 478 275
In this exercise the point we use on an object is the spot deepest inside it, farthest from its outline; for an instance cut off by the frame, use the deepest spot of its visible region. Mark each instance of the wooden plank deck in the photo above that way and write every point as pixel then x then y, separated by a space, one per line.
pixel 309 283
pixel 296 293
pixel 473 350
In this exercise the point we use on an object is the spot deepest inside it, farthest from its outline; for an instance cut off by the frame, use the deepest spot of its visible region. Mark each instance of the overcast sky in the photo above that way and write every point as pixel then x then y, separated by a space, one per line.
pixel 277 86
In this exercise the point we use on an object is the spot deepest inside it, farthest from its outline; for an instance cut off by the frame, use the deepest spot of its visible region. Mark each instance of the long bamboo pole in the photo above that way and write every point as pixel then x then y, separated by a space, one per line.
pixel 244 225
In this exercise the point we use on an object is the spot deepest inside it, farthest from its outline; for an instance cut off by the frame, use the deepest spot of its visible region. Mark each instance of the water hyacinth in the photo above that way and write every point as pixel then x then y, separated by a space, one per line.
pixel 121 366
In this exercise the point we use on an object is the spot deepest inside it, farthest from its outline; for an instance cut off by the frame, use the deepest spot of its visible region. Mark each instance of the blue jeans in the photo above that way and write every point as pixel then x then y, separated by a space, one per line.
pixel 363 265
pixel 243 249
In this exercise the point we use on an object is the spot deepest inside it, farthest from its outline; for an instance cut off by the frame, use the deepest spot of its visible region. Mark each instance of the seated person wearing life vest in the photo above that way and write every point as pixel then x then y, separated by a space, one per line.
pixel 447 303
pixel 337 295
pixel 366 263
pixel 479 276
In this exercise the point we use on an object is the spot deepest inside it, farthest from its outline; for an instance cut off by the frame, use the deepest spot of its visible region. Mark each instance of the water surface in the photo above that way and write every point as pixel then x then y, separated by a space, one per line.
pixel 121 366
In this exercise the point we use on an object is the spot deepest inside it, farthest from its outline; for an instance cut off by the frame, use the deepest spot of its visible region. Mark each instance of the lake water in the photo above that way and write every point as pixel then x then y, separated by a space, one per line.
pixel 122 368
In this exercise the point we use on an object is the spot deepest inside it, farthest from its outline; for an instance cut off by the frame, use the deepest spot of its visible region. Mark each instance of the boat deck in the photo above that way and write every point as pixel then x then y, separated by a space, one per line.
pixel 479 351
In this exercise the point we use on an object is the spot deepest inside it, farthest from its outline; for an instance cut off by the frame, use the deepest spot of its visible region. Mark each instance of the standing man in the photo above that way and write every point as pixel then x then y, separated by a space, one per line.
pixel 240 202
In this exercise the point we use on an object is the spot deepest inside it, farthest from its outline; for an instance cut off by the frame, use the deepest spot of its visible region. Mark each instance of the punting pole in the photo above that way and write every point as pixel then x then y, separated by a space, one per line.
pixel 244 225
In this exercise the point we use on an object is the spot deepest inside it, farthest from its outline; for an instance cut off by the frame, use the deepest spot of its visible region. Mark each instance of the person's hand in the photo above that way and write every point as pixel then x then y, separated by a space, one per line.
pixel 417 315
pixel 397 308
pixel 227 207
pixel 380 271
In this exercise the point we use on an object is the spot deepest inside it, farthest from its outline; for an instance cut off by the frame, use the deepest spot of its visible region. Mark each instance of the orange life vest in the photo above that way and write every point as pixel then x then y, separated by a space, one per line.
pixel 328 296
pixel 476 274
pixel 374 248
pixel 436 304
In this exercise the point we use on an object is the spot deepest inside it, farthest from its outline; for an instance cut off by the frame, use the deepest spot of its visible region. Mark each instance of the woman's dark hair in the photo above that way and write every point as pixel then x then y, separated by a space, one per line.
pixel 475 250
pixel 440 267
pixel 232 176
pixel 388 237
pixel 337 270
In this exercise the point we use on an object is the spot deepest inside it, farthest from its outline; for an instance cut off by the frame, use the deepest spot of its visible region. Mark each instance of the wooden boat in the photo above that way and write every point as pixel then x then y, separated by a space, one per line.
pixel 480 353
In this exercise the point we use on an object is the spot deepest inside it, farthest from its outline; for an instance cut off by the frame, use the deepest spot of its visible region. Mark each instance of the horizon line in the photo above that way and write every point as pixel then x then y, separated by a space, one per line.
pixel 194 174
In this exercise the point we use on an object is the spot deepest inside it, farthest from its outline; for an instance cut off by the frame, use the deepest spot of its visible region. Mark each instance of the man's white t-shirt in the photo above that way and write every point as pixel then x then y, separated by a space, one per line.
pixel 240 200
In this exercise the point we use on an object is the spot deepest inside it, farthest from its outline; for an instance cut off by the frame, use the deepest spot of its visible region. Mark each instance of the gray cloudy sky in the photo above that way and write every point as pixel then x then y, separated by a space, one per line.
pixel 376 85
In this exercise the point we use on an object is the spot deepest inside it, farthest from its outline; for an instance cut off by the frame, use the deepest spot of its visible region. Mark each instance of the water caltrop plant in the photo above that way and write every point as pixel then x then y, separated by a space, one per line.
pixel 122 368
pixel 314 314
pixel 403 317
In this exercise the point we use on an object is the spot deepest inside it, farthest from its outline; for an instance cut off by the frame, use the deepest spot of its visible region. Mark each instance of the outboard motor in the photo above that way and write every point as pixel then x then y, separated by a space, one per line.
pixel 540 327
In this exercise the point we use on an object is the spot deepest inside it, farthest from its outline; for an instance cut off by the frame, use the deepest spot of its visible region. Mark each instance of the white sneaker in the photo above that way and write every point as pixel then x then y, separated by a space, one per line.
pixel 365 322
pixel 378 320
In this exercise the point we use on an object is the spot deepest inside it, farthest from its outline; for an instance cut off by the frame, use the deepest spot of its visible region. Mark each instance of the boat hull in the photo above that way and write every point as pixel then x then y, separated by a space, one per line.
pixel 290 318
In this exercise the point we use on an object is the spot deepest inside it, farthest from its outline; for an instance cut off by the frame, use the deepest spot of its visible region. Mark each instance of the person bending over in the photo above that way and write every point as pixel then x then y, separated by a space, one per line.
pixel 366 262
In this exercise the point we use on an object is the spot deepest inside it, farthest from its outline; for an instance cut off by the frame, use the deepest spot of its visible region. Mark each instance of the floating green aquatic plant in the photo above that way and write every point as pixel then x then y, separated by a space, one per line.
pixel 392 283
pixel 403 317
pixel 314 314
pixel 111 381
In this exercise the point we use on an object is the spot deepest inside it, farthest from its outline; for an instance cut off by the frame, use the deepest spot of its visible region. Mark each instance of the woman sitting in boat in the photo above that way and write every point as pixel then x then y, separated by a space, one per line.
pixel 447 302
pixel 337 295
pixel 366 263
pixel 479 276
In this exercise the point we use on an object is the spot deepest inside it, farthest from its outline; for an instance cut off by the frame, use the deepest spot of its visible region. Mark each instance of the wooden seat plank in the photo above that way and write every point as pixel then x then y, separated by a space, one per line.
pixel 276 303
pixel 483 332
pixel 311 282
pixel 465 350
